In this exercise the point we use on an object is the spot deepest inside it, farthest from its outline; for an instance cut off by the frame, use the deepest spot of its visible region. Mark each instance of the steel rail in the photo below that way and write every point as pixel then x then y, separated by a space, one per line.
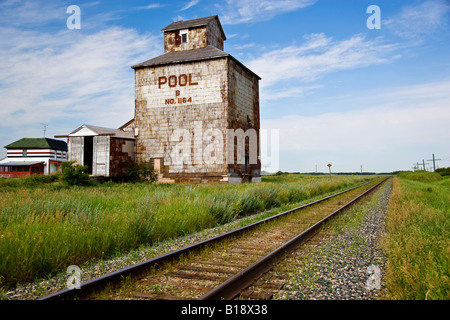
pixel 234 285
pixel 90 287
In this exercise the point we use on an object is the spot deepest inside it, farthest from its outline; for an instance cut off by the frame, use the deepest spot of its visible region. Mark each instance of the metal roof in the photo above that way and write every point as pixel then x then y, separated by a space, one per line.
pixel 38 143
pixel 21 163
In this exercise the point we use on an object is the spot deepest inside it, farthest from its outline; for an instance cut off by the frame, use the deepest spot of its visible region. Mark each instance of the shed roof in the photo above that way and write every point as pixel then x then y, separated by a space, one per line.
pixel 38 143
pixel 186 24
pixel 21 163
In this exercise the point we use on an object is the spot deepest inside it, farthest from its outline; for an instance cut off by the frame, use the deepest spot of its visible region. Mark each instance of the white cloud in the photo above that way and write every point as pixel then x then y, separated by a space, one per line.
pixel 151 6
pixel 403 117
pixel 50 76
pixel 420 20
pixel 319 55
pixel 61 77
pixel 280 93
pixel 239 11
pixel 29 13
pixel 190 5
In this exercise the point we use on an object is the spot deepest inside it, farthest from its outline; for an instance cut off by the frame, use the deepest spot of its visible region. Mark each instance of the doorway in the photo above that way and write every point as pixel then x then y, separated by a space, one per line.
pixel 88 153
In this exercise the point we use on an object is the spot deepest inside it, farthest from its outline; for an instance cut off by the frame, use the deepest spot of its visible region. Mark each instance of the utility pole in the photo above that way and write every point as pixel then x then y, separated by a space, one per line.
pixel 423 161
pixel 434 162
pixel 361 169
pixel 45 128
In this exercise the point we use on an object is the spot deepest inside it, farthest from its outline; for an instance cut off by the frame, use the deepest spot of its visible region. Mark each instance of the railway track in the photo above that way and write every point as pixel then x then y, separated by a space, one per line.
pixel 221 267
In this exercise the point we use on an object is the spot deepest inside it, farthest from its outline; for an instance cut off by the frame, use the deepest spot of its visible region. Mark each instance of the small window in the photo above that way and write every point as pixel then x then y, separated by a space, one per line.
pixel 184 35
pixel 24 153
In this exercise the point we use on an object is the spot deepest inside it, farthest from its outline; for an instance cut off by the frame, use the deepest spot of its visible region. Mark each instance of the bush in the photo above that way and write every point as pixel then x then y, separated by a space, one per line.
pixel 39 179
pixel 443 171
pixel 222 208
pixel 143 171
pixel 74 174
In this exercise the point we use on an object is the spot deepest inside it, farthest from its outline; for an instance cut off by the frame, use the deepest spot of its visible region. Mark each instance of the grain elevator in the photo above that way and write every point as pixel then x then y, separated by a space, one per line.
pixel 197 108
pixel 196 113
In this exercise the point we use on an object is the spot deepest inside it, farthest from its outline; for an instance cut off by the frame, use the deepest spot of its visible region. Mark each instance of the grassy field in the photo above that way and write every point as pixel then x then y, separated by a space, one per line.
pixel 417 241
pixel 46 226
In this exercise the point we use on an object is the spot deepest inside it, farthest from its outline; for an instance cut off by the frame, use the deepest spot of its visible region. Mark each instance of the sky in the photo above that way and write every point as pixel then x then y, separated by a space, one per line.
pixel 338 88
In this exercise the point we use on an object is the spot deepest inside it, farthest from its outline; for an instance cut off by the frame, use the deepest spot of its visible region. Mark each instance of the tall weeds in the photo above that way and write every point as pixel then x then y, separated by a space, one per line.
pixel 417 239
pixel 45 228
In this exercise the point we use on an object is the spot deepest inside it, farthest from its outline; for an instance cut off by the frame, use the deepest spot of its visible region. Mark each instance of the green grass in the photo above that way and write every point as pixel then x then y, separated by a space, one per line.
pixel 421 175
pixel 417 241
pixel 46 226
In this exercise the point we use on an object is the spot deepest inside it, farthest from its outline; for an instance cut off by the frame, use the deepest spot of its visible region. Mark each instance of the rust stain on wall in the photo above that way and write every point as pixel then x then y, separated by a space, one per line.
pixel 187 101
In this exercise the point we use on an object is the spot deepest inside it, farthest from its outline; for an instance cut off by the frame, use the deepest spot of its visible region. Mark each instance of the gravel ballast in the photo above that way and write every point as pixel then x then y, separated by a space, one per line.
pixel 347 264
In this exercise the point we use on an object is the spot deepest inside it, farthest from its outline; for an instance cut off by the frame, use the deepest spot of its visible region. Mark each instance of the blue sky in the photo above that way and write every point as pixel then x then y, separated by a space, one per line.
pixel 337 91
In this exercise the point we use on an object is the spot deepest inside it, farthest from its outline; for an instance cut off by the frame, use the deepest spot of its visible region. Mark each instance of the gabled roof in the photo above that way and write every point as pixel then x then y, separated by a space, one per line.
pixel 100 131
pixel 127 124
pixel 186 24
pixel 206 53
pixel 38 143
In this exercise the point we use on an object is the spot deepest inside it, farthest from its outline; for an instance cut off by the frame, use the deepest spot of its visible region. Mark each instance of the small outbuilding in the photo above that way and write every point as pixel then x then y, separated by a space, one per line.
pixel 106 152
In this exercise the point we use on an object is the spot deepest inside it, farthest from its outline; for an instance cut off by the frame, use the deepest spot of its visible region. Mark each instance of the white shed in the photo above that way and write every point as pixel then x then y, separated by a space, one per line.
pixel 105 151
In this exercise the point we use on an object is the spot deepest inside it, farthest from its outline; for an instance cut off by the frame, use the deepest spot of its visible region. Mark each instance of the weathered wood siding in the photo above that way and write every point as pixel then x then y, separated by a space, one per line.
pixel 101 158
pixel 75 149
pixel 174 120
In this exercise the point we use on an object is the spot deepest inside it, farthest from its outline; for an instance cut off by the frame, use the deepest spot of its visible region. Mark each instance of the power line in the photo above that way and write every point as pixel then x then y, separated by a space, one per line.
pixel 434 162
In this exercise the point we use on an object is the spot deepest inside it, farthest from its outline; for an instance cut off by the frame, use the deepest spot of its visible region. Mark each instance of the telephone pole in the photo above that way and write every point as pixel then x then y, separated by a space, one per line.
pixel 45 128
pixel 434 162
